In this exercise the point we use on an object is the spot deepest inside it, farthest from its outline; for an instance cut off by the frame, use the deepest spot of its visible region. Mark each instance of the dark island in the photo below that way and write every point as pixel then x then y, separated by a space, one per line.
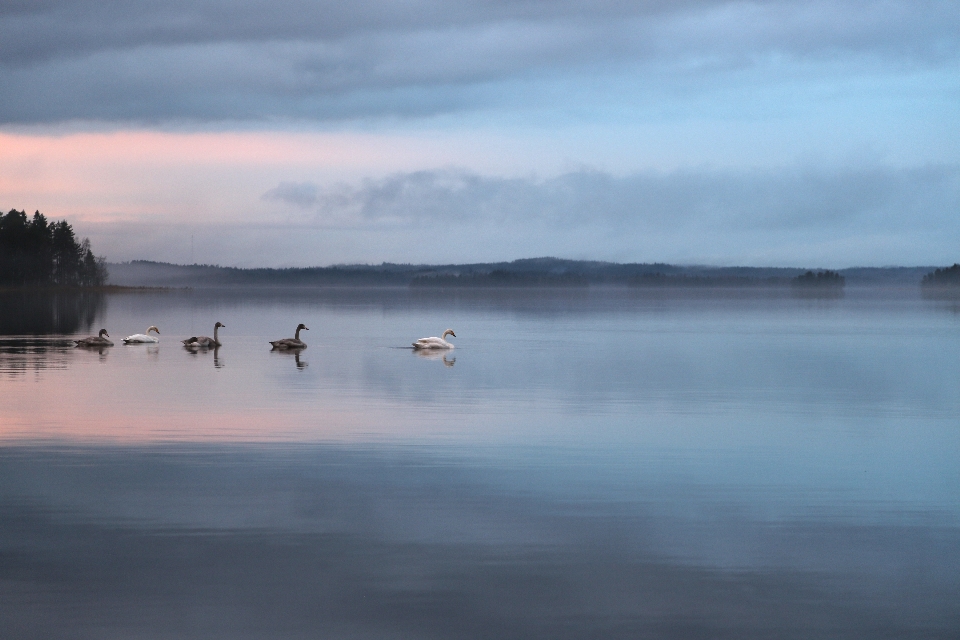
pixel 819 280
pixel 948 277
pixel 35 252
pixel 50 282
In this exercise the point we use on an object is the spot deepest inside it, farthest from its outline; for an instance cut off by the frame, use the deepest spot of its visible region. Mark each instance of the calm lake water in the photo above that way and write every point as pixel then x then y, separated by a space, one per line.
pixel 585 464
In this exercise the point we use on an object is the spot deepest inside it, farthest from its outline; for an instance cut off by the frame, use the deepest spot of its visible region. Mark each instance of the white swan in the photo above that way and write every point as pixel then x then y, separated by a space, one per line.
pixel 435 343
pixel 142 337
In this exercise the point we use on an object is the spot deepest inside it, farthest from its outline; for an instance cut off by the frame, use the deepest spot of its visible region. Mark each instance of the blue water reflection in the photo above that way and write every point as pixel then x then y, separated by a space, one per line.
pixel 591 464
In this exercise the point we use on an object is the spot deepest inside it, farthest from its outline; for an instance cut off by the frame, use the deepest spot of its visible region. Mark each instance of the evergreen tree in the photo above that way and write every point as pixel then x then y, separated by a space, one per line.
pixel 34 251
pixel 946 277
pixel 826 278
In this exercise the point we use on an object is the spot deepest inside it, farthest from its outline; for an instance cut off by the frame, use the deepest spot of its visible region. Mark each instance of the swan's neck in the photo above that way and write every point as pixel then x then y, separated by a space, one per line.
pixel 215 329
pixel 296 336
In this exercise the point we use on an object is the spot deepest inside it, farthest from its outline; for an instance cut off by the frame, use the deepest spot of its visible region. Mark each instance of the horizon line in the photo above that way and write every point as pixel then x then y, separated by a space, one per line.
pixel 516 260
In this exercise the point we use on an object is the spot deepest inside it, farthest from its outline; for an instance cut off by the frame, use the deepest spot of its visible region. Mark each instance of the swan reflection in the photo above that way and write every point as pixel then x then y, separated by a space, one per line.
pixel 100 349
pixel 301 364
pixel 195 350
pixel 444 357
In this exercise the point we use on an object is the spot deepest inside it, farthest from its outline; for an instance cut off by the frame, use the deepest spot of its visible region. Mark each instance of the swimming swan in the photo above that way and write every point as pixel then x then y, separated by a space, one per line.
pixel 292 343
pixel 435 343
pixel 204 341
pixel 142 337
pixel 95 341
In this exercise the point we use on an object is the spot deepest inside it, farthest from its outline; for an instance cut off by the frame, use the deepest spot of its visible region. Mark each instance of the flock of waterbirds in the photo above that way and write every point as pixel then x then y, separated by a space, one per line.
pixel 284 344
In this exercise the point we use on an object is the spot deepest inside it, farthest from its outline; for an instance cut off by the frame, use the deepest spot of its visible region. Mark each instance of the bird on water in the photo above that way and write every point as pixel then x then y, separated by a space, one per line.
pixel 143 337
pixel 95 341
pixel 292 343
pixel 204 341
pixel 434 342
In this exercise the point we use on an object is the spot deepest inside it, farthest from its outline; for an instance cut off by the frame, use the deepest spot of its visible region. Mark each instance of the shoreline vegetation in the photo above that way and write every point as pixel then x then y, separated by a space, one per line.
pixel 43 256
pixel 35 252
pixel 819 280
pixel 948 277
pixel 551 273
pixel 942 283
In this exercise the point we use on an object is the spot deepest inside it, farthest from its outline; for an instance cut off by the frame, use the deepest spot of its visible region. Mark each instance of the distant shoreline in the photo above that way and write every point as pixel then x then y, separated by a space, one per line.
pixel 551 273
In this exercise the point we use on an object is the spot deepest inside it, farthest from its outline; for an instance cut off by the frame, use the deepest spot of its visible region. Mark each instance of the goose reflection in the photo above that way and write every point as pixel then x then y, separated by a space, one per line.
pixel 283 353
pixel 436 355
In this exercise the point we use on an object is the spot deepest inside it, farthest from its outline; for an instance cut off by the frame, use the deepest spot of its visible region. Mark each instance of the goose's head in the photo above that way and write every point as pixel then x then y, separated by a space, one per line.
pixel 219 324
pixel 448 332
pixel 103 332
pixel 153 329
pixel 303 326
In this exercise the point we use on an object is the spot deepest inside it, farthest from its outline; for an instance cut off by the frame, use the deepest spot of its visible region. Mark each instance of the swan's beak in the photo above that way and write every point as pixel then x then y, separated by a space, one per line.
pixel 306 328
pixel 453 334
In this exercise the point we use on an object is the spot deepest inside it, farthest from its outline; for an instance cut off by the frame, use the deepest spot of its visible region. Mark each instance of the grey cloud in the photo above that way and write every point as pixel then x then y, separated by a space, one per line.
pixel 71 28
pixel 255 60
pixel 789 217
pixel 301 194
pixel 799 198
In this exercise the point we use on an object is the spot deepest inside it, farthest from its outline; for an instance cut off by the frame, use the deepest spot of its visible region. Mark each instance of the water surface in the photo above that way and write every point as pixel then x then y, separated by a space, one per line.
pixel 584 464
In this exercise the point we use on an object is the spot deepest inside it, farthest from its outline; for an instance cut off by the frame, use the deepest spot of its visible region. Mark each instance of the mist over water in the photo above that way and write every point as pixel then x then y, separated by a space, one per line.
pixel 584 464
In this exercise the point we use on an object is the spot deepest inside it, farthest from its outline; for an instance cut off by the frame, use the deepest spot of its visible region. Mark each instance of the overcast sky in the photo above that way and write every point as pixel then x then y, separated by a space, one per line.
pixel 280 133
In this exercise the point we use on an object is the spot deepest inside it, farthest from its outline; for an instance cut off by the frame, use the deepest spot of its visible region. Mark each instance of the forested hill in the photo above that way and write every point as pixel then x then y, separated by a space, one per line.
pixel 35 251
pixel 536 272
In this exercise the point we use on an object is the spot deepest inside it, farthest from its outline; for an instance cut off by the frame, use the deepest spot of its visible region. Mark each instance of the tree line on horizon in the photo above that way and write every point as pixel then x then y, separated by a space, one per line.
pixel 538 272
pixel 947 277
pixel 36 251
pixel 825 278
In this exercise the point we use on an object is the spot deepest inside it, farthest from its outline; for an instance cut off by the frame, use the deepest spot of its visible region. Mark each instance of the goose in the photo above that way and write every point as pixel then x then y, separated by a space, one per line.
pixel 292 343
pixel 95 341
pixel 142 337
pixel 435 343
pixel 204 341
